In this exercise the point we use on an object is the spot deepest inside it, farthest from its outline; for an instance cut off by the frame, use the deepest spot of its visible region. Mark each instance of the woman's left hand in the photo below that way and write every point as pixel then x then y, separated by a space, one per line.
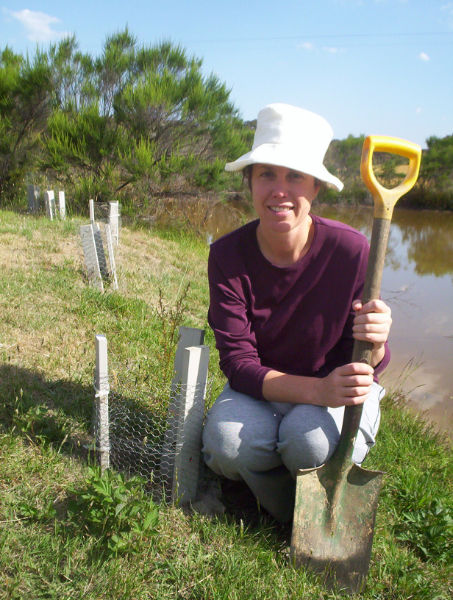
pixel 372 322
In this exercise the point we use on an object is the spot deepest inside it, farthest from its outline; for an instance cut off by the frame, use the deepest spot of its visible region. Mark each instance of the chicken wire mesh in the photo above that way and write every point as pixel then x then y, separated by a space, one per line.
pixel 160 442
pixel 98 251
pixel 160 449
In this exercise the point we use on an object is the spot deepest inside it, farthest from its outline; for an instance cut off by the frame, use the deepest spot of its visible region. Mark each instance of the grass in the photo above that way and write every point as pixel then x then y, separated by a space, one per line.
pixel 51 542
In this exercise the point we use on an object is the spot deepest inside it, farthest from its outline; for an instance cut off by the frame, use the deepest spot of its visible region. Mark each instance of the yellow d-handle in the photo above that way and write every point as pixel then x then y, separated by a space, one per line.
pixel 385 199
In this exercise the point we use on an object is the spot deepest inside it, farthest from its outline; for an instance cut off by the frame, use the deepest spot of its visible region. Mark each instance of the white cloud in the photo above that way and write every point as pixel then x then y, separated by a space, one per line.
pixel 418 110
pixel 423 56
pixel 39 25
pixel 309 46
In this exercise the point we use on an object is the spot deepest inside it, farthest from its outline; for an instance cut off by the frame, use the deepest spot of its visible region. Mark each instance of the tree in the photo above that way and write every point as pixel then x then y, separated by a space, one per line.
pixel 25 104
pixel 344 156
pixel 184 119
pixel 152 120
pixel 437 164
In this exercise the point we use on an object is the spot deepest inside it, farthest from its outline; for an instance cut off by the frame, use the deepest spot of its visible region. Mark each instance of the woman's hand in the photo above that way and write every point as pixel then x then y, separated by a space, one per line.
pixel 372 324
pixel 346 385
pixel 372 321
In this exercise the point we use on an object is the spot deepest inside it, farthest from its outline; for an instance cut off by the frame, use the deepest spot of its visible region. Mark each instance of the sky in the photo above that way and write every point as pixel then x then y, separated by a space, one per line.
pixel 382 67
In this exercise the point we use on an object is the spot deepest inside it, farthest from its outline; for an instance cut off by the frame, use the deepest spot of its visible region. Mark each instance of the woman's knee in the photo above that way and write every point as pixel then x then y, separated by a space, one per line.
pixel 240 435
pixel 307 438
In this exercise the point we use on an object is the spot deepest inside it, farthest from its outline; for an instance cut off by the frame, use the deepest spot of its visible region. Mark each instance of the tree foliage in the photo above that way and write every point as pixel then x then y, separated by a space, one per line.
pixel 437 166
pixel 140 118
pixel 71 71
pixel 25 104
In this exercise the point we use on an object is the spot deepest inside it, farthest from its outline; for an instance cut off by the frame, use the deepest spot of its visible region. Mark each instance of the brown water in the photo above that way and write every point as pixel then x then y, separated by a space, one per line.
pixel 418 285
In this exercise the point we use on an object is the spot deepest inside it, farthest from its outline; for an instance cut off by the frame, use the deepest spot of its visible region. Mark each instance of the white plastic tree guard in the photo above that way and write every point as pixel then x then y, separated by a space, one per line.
pixel 95 260
pixel 114 216
pixel 33 198
pixel 91 207
pixel 180 459
pixel 190 423
pixel 100 251
pixel 49 202
pixel 101 386
pixel 91 256
pixel 108 236
pixel 62 204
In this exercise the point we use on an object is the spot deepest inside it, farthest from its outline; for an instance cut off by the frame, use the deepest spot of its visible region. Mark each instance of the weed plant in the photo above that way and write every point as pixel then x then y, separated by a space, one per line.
pixel 68 531
pixel 114 510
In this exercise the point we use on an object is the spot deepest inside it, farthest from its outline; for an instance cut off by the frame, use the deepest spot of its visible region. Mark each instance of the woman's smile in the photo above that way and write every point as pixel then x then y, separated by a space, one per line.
pixel 280 209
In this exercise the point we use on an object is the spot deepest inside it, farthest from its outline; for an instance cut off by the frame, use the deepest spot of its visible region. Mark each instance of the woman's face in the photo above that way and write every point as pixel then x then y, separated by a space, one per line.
pixel 282 197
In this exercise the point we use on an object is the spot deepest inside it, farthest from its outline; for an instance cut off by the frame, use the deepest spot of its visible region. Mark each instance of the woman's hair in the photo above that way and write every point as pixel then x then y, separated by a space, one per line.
pixel 247 176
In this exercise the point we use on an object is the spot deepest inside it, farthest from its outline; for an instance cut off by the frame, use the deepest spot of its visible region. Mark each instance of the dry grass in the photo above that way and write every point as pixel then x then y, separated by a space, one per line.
pixel 45 293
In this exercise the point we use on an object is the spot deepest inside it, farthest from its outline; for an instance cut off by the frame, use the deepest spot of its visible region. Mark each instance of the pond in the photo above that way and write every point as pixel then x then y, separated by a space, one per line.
pixel 418 285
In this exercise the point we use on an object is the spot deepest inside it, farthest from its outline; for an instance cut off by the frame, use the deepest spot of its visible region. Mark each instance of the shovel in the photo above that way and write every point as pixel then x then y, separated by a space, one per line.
pixel 336 503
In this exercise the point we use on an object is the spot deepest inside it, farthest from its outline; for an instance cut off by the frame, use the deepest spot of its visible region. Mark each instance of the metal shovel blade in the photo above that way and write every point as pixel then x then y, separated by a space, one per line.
pixel 334 522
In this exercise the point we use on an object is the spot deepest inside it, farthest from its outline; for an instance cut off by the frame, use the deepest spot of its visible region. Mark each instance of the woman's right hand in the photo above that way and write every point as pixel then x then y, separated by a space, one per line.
pixel 347 385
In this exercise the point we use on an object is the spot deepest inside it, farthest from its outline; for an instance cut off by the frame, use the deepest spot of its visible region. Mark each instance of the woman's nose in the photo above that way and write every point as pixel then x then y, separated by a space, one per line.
pixel 279 188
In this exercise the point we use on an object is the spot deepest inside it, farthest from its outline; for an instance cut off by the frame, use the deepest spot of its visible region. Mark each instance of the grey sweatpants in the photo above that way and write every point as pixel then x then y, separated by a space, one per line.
pixel 265 443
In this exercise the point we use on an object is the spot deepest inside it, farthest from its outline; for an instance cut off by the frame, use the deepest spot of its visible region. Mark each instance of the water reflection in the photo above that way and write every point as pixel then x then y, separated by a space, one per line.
pixel 424 238
pixel 429 240
pixel 418 284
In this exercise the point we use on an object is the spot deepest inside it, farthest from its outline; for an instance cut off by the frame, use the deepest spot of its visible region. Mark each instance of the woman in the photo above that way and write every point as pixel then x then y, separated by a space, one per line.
pixel 285 309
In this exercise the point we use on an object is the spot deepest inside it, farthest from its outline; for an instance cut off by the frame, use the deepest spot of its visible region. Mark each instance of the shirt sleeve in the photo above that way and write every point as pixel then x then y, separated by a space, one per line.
pixel 235 340
pixel 379 368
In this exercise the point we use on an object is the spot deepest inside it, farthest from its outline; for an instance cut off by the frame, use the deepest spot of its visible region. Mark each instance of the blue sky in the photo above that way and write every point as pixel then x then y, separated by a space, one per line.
pixel 368 66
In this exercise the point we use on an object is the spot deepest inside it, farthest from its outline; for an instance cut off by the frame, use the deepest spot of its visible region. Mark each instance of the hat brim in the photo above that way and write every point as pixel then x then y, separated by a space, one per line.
pixel 279 156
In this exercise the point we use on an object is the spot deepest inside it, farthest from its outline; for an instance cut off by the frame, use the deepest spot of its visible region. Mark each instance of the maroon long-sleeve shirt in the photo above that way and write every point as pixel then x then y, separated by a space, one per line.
pixel 295 319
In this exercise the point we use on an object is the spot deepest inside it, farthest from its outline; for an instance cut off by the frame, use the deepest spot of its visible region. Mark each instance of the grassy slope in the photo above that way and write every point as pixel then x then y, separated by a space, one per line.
pixel 49 317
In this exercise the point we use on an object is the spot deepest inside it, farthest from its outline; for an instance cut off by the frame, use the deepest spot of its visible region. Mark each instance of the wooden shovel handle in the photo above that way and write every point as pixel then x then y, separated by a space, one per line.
pixel 362 350
pixel 384 202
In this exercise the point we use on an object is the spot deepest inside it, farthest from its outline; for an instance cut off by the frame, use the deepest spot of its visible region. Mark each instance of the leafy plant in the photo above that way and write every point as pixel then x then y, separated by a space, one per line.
pixel 114 509
pixel 37 422
pixel 426 525
pixel 28 510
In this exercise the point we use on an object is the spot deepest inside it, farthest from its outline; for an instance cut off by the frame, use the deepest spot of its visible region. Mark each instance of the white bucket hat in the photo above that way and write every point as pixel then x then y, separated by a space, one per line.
pixel 292 137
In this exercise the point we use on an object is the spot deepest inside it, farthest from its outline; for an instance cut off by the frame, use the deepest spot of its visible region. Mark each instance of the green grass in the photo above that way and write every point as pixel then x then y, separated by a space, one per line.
pixel 52 544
